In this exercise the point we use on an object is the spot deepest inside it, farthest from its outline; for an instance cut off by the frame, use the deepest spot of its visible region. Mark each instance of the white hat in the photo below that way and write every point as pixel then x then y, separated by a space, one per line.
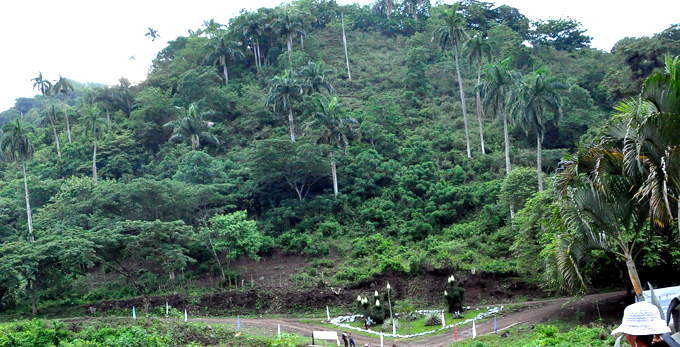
pixel 640 319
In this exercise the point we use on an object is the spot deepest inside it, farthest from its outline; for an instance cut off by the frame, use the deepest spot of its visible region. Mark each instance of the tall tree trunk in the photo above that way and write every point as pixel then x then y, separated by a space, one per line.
pixel 302 43
pixel 462 101
pixel 634 277
pixel 94 163
pixel 34 298
pixel 108 114
pixel 507 153
pixel 68 126
pixel 56 138
pixel 335 175
pixel 344 41
pixel 226 74
pixel 195 142
pixel 479 106
pixel 29 214
pixel 291 125
pixel 259 55
pixel 539 169
pixel 290 47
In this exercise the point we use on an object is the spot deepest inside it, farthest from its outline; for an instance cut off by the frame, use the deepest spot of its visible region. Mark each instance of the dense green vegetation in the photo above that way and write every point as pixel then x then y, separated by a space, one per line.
pixel 252 138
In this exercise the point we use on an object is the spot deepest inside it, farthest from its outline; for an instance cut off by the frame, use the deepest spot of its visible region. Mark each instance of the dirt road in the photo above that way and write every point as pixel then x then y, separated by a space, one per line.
pixel 532 313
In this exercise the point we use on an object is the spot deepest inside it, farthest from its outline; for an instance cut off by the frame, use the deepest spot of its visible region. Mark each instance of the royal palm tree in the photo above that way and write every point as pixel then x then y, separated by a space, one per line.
pixel 333 128
pixel 454 32
pixel 476 49
pixel 531 99
pixel 123 94
pixel 191 125
pixel 383 6
pixel 105 97
pixel 16 146
pixel 495 88
pixel 288 25
pixel 315 78
pixel 284 89
pixel 49 115
pixel 152 34
pixel 96 127
pixel 253 29
pixel 223 52
pixel 43 85
pixel 63 86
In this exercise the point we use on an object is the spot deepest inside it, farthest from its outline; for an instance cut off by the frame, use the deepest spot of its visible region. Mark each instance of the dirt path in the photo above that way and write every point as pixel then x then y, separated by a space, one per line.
pixel 535 312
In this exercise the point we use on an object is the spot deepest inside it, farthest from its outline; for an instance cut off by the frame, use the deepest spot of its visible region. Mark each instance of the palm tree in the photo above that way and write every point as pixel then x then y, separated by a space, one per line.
pixel 496 86
pixel 223 52
pixel 288 25
pixel 315 76
pixel 191 124
pixel 651 145
pixel 283 90
pixel 96 125
pixel 530 100
pixel 477 48
pixel 252 29
pixel 344 42
pixel 454 32
pixel 63 86
pixel 50 114
pixel 105 97
pixel 384 6
pixel 17 147
pixel 601 212
pixel 43 85
pixel 152 34
pixel 124 94
pixel 332 127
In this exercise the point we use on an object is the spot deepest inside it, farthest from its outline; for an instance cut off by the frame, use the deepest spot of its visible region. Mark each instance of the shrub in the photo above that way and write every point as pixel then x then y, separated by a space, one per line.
pixel 433 318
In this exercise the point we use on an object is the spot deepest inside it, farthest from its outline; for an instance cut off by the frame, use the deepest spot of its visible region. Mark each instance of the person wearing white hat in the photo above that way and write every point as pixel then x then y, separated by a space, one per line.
pixel 643 325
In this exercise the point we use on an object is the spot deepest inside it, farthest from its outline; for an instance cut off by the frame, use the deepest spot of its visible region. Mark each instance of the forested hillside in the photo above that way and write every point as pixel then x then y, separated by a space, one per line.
pixel 412 149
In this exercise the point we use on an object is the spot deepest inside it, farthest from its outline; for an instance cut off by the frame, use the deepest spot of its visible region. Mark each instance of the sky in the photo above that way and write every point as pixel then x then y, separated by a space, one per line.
pixel 94 41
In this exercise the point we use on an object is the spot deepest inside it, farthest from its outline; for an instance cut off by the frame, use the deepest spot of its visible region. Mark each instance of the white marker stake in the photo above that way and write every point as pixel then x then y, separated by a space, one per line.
pixel 279 329
pixel 474 330
pixel 167 309
pixel 381 340
pixel 186 316
pixel 134 315
pixel 443 319
pixel 328 313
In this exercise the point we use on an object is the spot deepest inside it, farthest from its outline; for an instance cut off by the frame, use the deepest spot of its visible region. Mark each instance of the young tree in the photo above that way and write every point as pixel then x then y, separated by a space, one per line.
pixel 33 261
pixel 17 147
pixel 315 78
pixel 191 124
pixel 235 236
pixel 132 248
pixel 454 32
